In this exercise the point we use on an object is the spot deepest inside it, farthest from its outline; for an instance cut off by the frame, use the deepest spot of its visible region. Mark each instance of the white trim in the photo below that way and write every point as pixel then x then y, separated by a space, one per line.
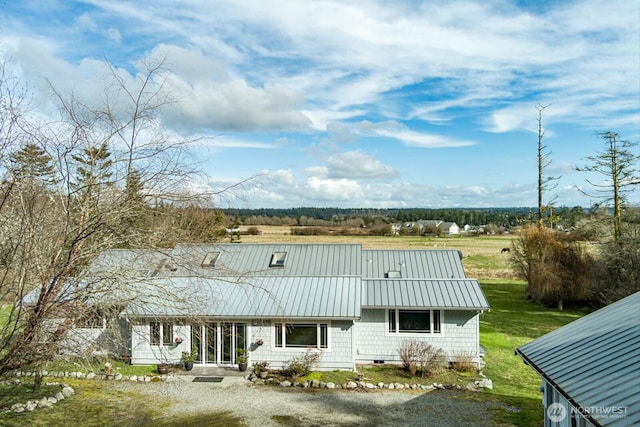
pixel 284 347
pixel 413 334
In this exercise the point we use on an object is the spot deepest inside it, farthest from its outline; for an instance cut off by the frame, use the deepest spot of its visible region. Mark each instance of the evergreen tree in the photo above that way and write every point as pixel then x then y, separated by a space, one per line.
pixel 618 164
pixel 31 164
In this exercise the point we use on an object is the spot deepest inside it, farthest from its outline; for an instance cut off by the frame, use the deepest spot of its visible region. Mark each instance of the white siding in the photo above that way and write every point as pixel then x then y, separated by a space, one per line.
pixel 459 336
pixel 142 353
pixel 337 356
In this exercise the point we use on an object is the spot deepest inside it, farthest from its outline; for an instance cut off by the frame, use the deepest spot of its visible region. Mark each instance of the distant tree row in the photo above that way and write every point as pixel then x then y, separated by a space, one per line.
pixel 563 216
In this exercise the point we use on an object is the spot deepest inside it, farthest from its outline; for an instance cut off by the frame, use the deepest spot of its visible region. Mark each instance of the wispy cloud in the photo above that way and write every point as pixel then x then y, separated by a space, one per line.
pixel 384 78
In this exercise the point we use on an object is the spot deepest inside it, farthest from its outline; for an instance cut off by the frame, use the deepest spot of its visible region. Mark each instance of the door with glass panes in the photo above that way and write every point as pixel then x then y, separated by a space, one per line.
pixel 217 342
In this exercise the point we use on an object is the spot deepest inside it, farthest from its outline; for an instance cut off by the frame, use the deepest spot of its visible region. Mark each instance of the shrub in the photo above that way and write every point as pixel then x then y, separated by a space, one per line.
pixel 301 365
pixel 464 362
pixel 253 231
pixel 556 267
pixel 422 357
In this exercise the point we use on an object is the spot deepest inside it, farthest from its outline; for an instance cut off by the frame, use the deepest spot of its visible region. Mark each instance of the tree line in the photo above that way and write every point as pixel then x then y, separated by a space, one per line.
pixel 561 216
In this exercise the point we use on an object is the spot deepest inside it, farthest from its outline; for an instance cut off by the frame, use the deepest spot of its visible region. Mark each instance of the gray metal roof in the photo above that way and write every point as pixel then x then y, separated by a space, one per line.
pixel 128 263
pixel 413 264
pixel 463 294
pixel 254 259
pixel 251 297
pixel 595 360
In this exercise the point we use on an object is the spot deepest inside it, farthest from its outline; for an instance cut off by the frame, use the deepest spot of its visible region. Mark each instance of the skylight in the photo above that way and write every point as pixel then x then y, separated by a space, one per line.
pixel 210 259
pixel 277 259
pixel 393 274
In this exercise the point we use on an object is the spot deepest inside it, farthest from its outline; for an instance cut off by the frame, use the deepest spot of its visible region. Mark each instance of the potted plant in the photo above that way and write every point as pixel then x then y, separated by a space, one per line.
pixel 187 360
pixel 241 359
pixel 163 368
pixel 261 369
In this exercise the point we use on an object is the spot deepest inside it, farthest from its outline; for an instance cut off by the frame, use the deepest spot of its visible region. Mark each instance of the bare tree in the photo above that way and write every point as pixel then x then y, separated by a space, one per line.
pixel 545 183
pixel 70 189
pixel 619 165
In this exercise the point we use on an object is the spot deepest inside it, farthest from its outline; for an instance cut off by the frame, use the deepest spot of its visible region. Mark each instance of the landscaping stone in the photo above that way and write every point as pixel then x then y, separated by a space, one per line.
pixel 352 385
pixel 485 383
pixel 91 376
pixel 59 396
pixel 31 405
pixel 285 384
pixel 67 391
pixel 331 385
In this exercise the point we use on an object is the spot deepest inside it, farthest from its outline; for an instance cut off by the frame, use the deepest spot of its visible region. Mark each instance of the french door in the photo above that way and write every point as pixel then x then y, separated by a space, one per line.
pixel 217 342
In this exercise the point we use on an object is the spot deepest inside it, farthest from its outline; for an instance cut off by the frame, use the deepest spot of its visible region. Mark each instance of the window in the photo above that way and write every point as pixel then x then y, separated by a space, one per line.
pixel 414 321
pixel 210 259
pixel 302 335
pixel 277 259
pixel 161 334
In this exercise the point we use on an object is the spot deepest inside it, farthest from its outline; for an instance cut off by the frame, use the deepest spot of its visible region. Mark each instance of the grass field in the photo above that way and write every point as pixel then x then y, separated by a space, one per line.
pixel 511 322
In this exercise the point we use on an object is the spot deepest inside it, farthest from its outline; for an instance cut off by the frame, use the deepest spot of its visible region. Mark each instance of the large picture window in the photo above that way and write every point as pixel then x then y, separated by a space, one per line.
pixel 161 333
pixel 302 335
pixel 414 321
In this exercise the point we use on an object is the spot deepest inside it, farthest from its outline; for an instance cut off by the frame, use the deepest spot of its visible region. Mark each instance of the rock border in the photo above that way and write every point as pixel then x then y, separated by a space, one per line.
pixel 484 383
pixel 45 402
pixel 67 390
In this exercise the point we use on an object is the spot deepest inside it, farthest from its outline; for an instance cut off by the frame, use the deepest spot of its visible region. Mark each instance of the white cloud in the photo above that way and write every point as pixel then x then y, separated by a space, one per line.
pixel 419 139
pixel 332 189
pixel 356 164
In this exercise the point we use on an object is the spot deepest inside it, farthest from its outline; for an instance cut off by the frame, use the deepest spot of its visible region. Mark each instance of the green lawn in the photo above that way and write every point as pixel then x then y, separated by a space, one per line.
pixel 512 322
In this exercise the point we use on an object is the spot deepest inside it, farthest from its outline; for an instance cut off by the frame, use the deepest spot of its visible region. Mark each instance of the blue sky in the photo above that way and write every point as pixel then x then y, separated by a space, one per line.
pixel 360 104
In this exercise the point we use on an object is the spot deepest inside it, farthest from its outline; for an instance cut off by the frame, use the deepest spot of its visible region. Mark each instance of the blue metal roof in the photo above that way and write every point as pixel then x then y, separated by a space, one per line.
pixel 460 294
pixel 595 361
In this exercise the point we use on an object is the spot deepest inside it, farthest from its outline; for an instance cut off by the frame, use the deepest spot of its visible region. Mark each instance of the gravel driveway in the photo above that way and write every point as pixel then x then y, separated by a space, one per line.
pixel 257 404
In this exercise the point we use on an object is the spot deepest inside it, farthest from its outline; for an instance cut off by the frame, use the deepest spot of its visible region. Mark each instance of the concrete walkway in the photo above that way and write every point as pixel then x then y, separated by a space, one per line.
pixel 231 375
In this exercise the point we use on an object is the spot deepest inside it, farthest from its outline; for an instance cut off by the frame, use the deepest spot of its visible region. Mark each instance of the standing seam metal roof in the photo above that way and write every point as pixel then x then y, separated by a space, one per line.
pixel 254 297
pixel 413 263
pixel 595 360
pixel 253 259
pixel 464 294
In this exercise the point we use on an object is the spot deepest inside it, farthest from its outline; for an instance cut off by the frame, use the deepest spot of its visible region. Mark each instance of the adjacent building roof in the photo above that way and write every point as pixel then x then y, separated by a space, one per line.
pixel 594 362
pixel 435 293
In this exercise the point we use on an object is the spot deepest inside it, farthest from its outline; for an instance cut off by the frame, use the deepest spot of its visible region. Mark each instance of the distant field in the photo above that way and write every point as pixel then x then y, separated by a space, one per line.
pixel 482 257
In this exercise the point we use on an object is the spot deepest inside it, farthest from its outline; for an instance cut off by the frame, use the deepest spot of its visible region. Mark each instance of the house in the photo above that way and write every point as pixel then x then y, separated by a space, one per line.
pixel 435 225
pixel 450 228
pixel 590 368
pixel 276 301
